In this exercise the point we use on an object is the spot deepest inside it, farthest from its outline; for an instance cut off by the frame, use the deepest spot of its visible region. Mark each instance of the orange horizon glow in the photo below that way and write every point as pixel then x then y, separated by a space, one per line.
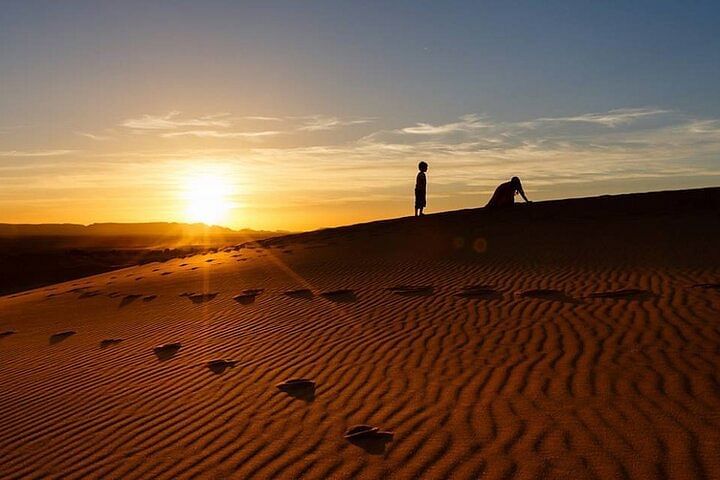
pixel 162 168
pixel 297 117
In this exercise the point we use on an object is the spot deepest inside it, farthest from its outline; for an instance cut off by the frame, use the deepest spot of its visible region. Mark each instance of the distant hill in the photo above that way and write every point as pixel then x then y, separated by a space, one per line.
pixel 35 255
pixel 155 229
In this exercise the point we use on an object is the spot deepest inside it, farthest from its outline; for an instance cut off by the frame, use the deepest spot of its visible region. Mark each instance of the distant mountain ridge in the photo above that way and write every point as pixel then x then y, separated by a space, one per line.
pixel 160 229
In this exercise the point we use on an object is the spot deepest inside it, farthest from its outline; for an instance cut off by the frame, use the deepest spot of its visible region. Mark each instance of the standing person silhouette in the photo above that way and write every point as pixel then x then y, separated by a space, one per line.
pixel 504 195
pixel 421 189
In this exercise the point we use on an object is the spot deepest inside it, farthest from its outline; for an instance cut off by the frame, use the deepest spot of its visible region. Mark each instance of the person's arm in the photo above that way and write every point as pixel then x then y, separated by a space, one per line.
pixel 522 193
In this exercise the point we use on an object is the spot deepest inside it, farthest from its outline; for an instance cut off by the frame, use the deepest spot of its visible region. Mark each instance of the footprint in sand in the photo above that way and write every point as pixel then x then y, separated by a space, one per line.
pixel 149 298
pixel 547 294
pixel 194 268
pixel 167 351
pixel 108 342
pixel 340 296
pixel 304 293
pixel 60 336
pixel 88 294
pixel 165 273
pixel 7 333
pixel 219 366
pixel 480 292
pixel 183 264
pixel 202 297
pixel 624 294
pixel 412 290
pixel 300 388
pixel 128 299
pixel 248 296
pixel 369 438
pixel 707 286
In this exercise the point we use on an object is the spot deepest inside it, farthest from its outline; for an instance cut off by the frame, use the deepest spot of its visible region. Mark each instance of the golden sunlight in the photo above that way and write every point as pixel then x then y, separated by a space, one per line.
pixel 207 198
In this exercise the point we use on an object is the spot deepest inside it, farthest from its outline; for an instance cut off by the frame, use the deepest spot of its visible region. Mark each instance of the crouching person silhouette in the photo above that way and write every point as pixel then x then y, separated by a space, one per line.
pixel 504 195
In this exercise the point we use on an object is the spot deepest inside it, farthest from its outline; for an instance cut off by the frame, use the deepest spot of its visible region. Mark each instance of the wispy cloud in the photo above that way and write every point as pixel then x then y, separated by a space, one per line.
pixel 466 123
pixel 174 120
pixel 264 119
pixel 93 136
pixel 174 124
pixel 468 156
pixel 611 118
pixel 34 153
pixel 315 123
pixel 221 134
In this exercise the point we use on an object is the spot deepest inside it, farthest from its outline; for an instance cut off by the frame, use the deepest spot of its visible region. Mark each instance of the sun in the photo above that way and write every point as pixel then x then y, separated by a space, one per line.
pixel 207 198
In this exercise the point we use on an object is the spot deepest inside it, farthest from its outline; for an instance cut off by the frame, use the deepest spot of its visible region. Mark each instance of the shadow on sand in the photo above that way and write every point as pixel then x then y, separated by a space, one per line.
pixel 59 337
pixel 369 438
pixel 166 351
pixel 340 296
pixel 300 388
pixel 412 291
pixel 304 294
pixel 218 367
pixel 128 299
pixel 550 295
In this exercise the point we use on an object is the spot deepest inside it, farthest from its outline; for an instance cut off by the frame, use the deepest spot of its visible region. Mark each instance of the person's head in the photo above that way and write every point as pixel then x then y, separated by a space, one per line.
pixel 515 182
pixel 423 166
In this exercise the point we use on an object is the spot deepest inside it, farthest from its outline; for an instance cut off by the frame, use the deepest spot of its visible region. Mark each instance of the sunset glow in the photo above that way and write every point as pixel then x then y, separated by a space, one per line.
pixel 207 199
pixel 318 115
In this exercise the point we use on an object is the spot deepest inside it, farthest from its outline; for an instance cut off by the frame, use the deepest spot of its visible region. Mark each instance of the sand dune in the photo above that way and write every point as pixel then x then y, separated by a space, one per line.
pixel 572 339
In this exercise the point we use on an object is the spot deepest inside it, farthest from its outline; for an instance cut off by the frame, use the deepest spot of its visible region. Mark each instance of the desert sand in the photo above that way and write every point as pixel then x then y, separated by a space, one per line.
pixel 567 339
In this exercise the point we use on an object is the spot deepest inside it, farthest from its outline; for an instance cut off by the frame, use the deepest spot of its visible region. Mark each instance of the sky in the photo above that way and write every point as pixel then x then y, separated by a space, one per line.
pixel 299 115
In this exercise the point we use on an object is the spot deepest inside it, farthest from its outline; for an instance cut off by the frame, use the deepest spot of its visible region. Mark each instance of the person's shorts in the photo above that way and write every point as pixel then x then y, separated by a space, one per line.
pixel 420 200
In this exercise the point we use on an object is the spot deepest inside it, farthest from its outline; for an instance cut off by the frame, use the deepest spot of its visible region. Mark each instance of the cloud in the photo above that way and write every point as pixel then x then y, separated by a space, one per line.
pixel 610 118
pixel 264 119
pixel 467 123
pixel 468 157
pixel 645 148
pixel 315 123
pixel 221 134
pixel 476 152
pixel 34 153
pixel 92 136
pixel 173 120
pixel 173 124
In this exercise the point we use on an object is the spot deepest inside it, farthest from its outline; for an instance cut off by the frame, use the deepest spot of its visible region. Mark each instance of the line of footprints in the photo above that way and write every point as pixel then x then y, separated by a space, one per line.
pixel 368 437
